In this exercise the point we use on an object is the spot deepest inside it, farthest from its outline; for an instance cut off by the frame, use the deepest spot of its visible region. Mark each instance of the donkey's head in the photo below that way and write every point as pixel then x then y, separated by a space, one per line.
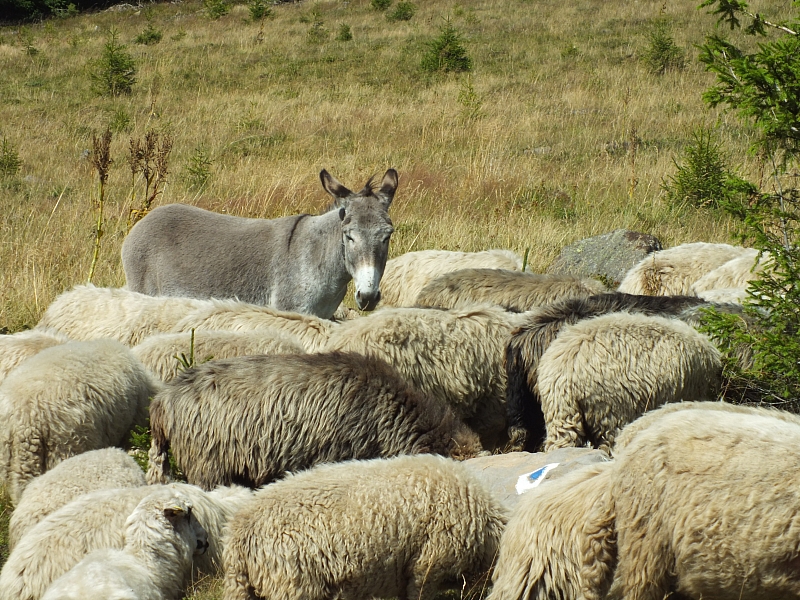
pixel 366 230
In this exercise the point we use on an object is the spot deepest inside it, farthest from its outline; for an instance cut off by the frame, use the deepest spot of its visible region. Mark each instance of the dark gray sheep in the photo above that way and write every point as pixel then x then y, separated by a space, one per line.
pixel 529 341
pixel 250 419
pixel 513 290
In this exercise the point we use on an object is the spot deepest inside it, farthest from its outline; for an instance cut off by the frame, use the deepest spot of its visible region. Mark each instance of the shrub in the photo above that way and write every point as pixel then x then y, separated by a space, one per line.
pixel 704 178
pixel 10 161
pixel 446 53
pixel 344 34
pixel 149 36
pixel 114 73
pixel 259 9
pixel 199 169
pixel 380 4
pixel 402 12
pixel 662 54
pixel 216 8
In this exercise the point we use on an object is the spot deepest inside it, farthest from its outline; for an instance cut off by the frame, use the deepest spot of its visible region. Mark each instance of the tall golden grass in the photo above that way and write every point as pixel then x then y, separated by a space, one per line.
pixel 559 133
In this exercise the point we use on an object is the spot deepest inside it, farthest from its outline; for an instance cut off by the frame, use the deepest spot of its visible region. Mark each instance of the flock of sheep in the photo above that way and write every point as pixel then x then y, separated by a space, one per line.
pixel 319 454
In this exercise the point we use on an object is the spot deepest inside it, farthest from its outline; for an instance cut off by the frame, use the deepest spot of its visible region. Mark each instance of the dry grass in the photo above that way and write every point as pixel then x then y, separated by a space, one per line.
pixel 559 133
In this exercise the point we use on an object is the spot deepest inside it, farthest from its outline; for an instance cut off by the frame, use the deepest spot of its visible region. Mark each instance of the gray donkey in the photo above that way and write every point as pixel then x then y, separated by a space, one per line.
pixel 300 263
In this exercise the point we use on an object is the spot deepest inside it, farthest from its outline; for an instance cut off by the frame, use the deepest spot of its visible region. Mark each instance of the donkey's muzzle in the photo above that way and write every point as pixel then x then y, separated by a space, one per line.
pixel 368 301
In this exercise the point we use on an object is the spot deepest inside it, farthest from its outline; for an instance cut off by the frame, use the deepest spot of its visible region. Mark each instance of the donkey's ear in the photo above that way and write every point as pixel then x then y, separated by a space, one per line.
pixel 388 187
pixel 333 187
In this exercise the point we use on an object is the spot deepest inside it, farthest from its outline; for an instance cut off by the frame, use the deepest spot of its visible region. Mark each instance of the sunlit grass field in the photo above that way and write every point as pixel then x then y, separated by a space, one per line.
pixel 559 132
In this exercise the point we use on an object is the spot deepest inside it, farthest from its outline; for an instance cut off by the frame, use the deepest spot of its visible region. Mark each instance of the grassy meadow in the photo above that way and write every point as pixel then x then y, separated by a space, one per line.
pixel 559 132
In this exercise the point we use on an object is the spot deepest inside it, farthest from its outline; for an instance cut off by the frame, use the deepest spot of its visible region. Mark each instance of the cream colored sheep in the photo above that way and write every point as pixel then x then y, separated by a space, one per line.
pixel 406 275
pixel 673 271
pixel 736 273
pixel 20 346
pixel 703 504
pixel 602 373
pixel 382 528
pixel 455 356
pixel 250 419
pixel 542 548
pixel 512 290
pixel 96 470
pixel 96 521
pixel 161 537
pixel 230 315
pixel 66 400
pixel 87 312
pixel 160 353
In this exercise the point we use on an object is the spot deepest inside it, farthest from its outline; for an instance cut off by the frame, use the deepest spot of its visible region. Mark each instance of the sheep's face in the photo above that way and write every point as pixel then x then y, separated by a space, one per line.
pixel 187 526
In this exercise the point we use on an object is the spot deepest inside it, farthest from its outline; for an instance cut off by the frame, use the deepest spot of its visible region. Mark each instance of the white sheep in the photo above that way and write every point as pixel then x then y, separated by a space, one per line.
pixel 455 356
pixel 161 353
pixel 95 470
pixel 673 271
pixel 230 315
pixel 513 290
pixel 87 312
pixel 602 373
pixel 96 521
pixel 406 275
pixel 735 273
pixel 66 400
pixel 383 528
pixel 542 548
pixel 161 537
pixel 20 346
pixel 701 502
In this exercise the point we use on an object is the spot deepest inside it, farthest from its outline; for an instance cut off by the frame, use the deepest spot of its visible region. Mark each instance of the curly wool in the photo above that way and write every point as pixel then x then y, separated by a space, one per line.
pixel 18 347
pixel 542 548
pixel 96 521
pixel 160 353
pixel 538 330
pixel 406 275
pixel 454 356
pixel 250 419
pixel 66 400
pixel 602 373
pixel 230 315
pixel 699 503
pixel 160 539
pixel 95 470
pixel 87 312
pixel 399 527
pixel 512 290
pixel 672 271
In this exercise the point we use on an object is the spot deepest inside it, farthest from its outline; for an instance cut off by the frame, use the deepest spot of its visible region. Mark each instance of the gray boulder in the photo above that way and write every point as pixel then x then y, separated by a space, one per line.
pixel 607 257
pixel 501 472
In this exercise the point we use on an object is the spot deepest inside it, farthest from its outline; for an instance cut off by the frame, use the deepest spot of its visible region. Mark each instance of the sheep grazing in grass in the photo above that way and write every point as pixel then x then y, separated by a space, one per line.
pixel 736 273
pixel 87 312
pixel 21 346
pixel 513 290
pixel 164 352
pixel 161 537
pixel 229 315
pixel 400 527
pixel 96 521
pixel 248 420
pixel 66 400
pixel 96 470
pixel 406 275
pixel 526 428
pixel 672 271
pixel 541 551
pixel 602 373
pixel 701 504
pixel 454 356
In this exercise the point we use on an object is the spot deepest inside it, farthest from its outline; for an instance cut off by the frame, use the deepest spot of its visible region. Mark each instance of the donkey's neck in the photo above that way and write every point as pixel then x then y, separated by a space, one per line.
pixel 327 263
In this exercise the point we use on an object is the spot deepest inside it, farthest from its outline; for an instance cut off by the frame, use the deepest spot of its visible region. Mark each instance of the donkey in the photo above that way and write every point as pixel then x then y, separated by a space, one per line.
pixel 300 263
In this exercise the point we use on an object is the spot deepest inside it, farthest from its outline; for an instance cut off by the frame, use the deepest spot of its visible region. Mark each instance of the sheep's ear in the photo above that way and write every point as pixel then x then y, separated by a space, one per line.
pixel 173 513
